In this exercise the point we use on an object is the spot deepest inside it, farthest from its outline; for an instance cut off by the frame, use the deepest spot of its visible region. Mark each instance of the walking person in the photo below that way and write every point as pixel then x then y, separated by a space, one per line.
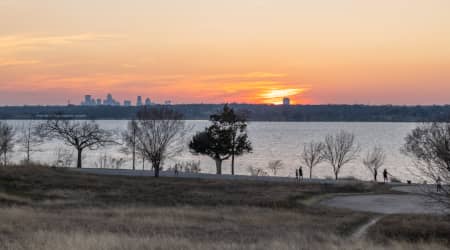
pixel 176 169
pixel 385 175
pixel 300 173
pixel 439 185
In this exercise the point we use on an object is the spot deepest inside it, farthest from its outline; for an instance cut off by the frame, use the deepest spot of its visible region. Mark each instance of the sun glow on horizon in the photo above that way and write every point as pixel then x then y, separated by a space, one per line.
pixel 274 96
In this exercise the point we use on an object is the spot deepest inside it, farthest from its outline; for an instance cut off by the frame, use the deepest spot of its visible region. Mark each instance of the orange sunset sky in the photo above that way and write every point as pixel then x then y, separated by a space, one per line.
pixel 215 51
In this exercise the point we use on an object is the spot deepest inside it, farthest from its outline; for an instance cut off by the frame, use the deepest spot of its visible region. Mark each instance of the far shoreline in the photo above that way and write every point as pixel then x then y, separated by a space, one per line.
pixel 254 112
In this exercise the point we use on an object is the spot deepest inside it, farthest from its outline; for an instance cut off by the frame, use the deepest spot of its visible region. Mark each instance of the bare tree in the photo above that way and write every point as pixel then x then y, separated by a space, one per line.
pixel 256 171
pixel 29 139
pixel 142 156
pixel 373 160
pixel 187 167
pixel 312 155
pixel 102 161
pixel 129 138
pixel 160 134
pixel 429 147
pixel 274 166
pixel 339 150
pixel 7 134
pixel 63 157
pixel 106 161
pixel 79 134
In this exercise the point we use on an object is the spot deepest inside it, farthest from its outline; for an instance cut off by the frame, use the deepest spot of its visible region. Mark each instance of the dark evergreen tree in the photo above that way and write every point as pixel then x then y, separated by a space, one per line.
pixel 226 137
pixel 214 143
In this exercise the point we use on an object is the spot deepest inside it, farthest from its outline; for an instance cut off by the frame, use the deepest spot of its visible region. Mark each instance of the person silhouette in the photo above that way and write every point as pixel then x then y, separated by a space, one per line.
pixel 176 169
pixel 385 175
pixel 300 173
pixel 296 174
pixel 438 185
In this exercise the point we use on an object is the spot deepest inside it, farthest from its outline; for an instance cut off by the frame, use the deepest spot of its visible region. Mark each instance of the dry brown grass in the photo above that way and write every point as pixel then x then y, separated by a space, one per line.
pixel 176 228
pixel 44 208
pixel 41 184
pixel 107 241
pixel 413 228
pixel 247 224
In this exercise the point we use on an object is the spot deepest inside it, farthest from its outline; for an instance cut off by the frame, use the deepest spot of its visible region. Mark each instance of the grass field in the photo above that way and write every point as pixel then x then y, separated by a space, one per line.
pixel 47 208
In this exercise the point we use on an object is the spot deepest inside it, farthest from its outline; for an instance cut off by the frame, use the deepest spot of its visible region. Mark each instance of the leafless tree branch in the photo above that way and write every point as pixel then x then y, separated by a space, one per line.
pixel 339 150
pixel 79 134
pixel 312 155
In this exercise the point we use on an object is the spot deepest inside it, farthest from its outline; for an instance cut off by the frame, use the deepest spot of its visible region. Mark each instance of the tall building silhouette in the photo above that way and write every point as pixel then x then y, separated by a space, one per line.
pixel 139 101
pixel 88 100
pixel 110 101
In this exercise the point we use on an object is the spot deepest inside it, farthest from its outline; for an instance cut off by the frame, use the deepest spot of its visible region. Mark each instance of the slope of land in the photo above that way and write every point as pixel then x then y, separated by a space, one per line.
pixel 47 208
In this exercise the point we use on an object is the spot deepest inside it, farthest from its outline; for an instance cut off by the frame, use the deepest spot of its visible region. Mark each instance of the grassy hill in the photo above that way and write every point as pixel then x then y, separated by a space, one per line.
pixel 48 208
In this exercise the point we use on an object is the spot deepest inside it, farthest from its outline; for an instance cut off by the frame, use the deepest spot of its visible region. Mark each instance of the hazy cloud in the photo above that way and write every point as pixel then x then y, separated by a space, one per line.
pixel 16 62
pixel 18 42
pixel 243 76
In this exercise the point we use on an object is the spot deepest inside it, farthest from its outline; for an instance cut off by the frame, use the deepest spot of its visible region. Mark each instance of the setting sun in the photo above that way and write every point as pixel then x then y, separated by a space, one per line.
pixel 274 96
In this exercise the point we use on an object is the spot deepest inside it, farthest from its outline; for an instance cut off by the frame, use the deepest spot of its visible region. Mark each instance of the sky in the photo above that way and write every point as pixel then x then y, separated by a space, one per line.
pixel 215 51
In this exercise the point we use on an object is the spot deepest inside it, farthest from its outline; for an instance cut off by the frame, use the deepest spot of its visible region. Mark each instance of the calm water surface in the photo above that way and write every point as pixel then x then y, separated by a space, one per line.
pixel 273 141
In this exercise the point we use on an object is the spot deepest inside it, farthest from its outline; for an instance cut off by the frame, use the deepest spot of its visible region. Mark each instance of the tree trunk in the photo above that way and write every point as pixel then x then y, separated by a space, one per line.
pixel 134 156
pixel 218 166
pixel 155 166
pixel 28 152
pixel 336 175
pixel 310 173
pixel 232 163
pixel 232 153
pixel 79 164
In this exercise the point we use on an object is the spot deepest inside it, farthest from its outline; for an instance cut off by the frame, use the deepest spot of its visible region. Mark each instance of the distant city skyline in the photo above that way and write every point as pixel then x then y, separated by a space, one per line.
pixel 89 100
pixel 110 100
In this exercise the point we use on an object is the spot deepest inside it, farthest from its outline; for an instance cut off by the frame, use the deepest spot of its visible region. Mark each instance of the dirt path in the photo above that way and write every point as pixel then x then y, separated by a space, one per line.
pixel 362 230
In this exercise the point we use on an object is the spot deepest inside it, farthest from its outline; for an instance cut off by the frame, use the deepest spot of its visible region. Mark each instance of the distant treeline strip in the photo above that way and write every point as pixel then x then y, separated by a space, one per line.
pixel 331 113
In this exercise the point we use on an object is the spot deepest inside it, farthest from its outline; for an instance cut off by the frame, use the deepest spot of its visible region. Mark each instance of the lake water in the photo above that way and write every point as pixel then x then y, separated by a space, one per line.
pixel 273 141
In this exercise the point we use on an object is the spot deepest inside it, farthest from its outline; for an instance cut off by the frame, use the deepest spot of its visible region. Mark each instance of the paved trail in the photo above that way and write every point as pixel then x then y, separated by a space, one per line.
pixel 387 204
pixel 412 202
pixel 127 172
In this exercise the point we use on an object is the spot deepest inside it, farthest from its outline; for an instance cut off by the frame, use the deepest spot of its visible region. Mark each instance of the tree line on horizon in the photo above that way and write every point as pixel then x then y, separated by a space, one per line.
pixel 255 112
